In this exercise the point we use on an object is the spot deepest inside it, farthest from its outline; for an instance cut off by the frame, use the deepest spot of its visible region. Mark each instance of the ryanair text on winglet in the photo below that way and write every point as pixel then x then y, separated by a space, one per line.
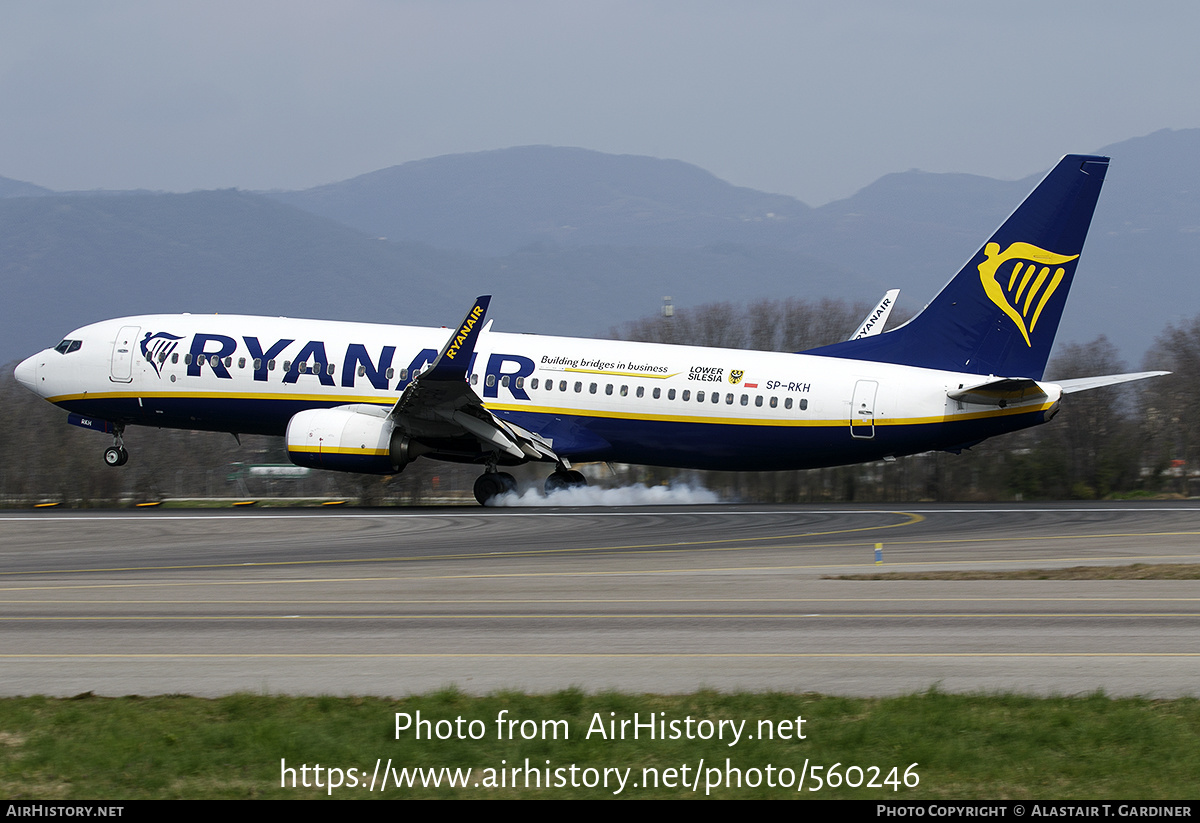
pixel 465 331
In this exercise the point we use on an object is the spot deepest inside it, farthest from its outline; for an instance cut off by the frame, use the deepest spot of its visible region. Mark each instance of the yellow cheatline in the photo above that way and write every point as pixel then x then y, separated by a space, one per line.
pixel 244 502
pixel 45 505
pixel 334 503
pixel 148 504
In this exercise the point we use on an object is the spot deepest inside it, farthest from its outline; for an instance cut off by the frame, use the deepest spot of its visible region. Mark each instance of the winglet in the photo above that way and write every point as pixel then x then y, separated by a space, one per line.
pixel 874 322
pixel 455 357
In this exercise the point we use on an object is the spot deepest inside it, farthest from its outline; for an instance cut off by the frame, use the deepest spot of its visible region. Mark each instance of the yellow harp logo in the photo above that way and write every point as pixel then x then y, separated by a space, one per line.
pixel 1030 282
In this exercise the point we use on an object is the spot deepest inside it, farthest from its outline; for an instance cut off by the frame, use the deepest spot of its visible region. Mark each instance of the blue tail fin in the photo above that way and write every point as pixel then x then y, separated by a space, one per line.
pixel 1000 313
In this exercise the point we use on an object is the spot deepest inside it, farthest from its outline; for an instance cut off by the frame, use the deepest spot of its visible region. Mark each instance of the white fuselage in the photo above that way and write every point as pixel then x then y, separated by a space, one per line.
pixel 592 399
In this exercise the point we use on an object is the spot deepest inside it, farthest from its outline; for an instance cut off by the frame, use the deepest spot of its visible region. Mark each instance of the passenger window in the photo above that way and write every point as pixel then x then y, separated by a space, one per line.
pixel 491 380
pixel 390 374
pixel 657 392
pixel 758 400
pixel 362 370
pixel 287 365
pixel 562 385
pixel 774 402
pixel 503 381
pixel 787 403
pixel 608 388
pixel 716 397
pixel 241 362
pixel 403 374
pixel 533 384
pixel 699 397
pixel 592 388
pixel 687 394
pixel 475 380
pixel 302 368
pixel 257 363
pixel 729 399
pixel 329 368
pixel 745 400
pixel 228 362
pixel 803 404
pixel 270 365
pixel 578 387
pixel 187 359
pixel 671 394
pixel 641 390
pixel 175 357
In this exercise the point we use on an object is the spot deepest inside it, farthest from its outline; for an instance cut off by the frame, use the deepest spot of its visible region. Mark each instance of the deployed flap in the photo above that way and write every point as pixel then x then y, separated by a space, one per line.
pixel 999 391
pixel 440 402
pixel 877 317
pixel 1085 383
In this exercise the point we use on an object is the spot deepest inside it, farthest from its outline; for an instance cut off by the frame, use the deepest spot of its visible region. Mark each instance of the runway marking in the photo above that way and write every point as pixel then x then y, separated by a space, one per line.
pixel 577 655
pixel 632 572
pixel 568 616
pixel 674 546
pixel 601 601
pixel 457 513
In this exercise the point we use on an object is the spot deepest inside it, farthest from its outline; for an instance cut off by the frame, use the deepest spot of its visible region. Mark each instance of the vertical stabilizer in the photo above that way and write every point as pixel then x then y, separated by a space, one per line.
pixel 1000 313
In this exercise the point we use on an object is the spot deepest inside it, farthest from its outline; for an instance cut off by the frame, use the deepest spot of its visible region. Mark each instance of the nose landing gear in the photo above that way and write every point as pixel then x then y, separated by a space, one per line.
pixel 116 454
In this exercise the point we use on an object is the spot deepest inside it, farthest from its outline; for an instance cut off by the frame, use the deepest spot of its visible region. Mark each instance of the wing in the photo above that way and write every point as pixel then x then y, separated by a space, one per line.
pixel 440 403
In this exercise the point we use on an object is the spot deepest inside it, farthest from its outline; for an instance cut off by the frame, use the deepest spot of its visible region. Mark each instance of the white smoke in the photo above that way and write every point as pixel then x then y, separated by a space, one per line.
pixel 681 495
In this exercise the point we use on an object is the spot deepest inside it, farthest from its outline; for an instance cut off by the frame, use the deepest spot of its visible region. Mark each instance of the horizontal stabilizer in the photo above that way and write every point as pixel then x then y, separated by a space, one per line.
pixel 999 391
pixel 1085 383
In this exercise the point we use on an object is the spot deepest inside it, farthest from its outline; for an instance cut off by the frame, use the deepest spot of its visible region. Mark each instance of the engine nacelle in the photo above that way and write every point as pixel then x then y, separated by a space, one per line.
pixel 348 439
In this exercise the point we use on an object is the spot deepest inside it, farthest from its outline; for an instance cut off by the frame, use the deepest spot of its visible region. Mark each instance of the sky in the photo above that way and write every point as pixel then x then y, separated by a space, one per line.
pixel 810 99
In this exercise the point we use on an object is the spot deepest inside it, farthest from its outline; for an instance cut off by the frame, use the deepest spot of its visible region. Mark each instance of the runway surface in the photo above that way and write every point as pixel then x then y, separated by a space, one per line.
pixel 392 602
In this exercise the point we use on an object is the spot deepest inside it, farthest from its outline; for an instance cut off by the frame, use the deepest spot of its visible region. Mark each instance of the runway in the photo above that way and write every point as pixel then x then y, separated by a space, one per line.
pixel 392 602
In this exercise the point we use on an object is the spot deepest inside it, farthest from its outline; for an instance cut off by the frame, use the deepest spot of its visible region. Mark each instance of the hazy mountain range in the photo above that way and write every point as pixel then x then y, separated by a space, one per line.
pixel 572 241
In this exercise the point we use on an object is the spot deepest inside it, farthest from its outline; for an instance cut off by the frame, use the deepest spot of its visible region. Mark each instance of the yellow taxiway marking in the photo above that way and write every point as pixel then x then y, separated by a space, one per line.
pixel 583 573
pixel 673 546
pixel 592 616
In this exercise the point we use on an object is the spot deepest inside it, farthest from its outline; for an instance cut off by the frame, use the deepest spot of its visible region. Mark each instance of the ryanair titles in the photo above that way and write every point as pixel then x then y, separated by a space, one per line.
pixel 290 362
pixel 464 334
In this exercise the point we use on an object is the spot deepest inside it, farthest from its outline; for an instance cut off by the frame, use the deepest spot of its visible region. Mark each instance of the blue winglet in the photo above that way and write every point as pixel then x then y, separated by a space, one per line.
pixel 1000 313
pixel 455 358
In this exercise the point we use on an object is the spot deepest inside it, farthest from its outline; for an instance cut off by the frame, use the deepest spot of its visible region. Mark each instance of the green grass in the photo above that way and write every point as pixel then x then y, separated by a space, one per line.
pixel 1001 746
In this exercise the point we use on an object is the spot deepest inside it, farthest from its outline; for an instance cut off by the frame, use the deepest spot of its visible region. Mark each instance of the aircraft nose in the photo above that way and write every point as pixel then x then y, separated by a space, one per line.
pixel 26 373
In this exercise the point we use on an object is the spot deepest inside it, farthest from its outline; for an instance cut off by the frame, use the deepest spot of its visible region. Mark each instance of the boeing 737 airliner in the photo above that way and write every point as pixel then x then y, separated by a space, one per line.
pixel 371 398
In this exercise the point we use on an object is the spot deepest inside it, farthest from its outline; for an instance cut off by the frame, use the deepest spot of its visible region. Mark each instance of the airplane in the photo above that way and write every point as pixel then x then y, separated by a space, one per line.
pixel 373 398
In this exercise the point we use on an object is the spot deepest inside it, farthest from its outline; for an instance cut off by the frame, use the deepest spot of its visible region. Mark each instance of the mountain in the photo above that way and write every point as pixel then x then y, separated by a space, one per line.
pixel 496 202
pixel 17 188
pixel 575 242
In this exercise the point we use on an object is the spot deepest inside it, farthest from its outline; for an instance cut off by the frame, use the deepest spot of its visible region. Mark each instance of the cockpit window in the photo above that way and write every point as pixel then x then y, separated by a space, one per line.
pixel 68 346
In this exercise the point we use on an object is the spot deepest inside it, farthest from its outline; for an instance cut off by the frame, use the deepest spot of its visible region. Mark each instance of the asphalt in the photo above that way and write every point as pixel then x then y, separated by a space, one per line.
pixel 670 599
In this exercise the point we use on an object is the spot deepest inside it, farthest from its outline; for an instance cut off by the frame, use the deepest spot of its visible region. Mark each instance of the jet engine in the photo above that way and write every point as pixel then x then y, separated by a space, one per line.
pixel 349 438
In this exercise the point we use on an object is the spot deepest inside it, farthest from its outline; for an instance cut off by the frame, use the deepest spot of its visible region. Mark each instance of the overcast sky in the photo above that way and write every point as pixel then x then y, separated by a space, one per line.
pixel 814 100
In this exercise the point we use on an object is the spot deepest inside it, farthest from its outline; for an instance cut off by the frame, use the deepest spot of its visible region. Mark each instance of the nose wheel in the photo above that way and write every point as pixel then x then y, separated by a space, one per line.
pixel 116 454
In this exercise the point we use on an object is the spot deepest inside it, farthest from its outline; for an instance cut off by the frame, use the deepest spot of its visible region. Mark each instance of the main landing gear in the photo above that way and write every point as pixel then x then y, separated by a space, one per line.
pixel 565 479
pixel 116 454
pixel 493 484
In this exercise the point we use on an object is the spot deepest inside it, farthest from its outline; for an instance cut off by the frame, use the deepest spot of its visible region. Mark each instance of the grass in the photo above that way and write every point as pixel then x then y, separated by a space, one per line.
pixel 991 747
pixel 1136 571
